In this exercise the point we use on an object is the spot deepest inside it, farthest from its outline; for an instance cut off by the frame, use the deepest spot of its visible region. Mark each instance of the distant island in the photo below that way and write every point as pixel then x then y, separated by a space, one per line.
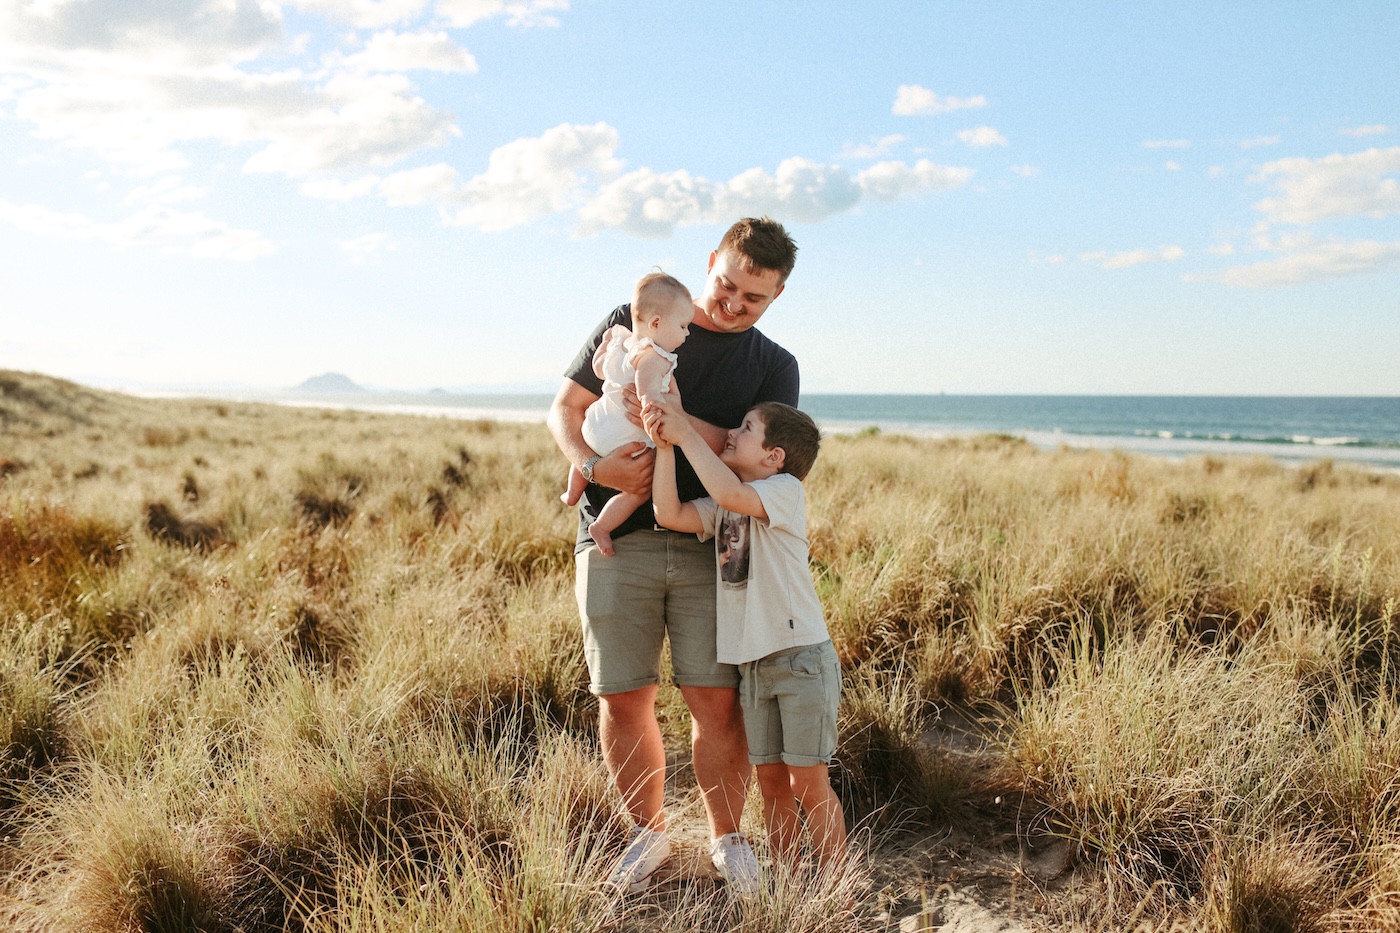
pixel 329 382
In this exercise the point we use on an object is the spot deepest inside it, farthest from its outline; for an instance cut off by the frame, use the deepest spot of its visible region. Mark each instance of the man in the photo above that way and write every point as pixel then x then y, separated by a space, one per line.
pixel 660 585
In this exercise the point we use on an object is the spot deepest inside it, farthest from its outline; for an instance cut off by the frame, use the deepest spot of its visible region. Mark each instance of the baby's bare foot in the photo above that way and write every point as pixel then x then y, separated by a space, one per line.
pixel 602 539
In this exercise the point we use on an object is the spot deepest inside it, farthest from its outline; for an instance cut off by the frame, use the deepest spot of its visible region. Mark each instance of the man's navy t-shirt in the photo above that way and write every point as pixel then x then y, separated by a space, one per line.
pixel 720 377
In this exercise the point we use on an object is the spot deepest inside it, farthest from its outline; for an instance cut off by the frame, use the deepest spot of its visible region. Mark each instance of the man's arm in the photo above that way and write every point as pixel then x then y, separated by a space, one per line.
pixel 618 470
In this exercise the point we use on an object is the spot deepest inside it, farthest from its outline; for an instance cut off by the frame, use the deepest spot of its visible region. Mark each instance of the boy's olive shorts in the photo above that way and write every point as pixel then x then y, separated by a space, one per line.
pixel 789 700
pixel 659 585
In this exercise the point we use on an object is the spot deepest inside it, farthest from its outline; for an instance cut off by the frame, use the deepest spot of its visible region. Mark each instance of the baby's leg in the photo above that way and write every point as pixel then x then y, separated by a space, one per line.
pixel 613 514
pixel 825 820
pixel 575 486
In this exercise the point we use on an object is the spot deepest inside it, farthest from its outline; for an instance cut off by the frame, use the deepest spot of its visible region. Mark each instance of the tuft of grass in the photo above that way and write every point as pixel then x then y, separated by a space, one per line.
pixel 885 773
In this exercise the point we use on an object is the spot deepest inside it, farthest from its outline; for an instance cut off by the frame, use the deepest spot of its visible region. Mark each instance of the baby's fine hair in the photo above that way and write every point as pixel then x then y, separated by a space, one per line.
pixel 792 430
pixel 651 290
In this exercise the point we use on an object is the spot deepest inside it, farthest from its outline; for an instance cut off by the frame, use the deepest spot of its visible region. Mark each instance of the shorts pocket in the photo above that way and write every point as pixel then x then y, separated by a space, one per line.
pixel 808 662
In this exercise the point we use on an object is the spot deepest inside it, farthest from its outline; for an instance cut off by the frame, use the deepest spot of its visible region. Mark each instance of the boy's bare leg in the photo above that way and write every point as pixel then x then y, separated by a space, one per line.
pixel 573 487
pixel 634 754
pixel 781 818
pixel 720 754
pixel 825 820
pixel 611 515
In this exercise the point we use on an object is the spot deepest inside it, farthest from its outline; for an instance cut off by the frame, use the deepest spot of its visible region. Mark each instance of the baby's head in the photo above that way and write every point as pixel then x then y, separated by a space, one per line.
pixel 792 431
pixel 662 310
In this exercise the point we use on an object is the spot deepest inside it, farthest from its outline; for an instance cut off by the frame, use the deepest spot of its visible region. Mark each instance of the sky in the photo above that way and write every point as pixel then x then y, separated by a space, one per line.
pixel 1176 197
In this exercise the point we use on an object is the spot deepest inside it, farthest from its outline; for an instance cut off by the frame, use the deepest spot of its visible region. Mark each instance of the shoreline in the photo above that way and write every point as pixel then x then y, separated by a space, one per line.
pixel 527 409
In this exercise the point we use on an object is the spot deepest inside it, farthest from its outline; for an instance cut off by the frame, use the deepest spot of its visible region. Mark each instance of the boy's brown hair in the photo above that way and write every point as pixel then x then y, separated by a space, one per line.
pixel 761 242
pixel 649 289
pixel 792 430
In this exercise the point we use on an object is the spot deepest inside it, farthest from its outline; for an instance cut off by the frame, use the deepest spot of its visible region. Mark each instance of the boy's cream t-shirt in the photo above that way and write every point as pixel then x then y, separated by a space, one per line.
pixel 765 600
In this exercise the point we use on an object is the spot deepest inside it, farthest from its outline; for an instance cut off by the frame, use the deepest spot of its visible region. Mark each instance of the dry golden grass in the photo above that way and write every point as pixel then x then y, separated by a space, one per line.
pixel 266 668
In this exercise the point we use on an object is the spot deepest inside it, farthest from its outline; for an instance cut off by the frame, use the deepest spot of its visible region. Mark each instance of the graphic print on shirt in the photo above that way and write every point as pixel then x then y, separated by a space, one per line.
pixel 732 544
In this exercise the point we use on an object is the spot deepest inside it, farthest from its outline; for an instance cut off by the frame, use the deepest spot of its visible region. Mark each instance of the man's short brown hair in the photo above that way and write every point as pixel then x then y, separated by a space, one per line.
pixel 763 243
pixel 792 430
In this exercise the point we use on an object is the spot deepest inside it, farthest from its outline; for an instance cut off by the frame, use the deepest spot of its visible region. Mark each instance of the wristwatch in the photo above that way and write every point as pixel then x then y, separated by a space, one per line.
pixel 588 465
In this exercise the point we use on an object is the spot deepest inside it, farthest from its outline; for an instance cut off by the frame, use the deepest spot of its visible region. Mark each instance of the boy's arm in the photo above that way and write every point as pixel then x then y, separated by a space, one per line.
pixel 732 493
pixel 670 510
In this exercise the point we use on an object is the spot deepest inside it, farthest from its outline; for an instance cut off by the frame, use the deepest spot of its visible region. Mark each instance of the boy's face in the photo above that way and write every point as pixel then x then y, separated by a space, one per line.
pixel 744 452
pixel 734 299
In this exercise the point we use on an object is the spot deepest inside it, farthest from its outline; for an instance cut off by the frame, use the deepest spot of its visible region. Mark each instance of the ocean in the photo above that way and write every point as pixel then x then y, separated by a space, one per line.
pixel 1364 430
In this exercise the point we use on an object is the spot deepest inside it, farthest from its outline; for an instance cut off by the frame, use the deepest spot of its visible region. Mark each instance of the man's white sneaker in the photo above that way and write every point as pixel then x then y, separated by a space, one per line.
pixel 645 853
pixel 737 864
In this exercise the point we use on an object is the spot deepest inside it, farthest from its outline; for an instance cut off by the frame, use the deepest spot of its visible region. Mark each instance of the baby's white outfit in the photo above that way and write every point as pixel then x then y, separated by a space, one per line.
pixel 605 424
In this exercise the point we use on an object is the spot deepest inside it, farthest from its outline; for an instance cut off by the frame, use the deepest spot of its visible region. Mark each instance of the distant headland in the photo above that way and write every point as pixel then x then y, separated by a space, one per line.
pixel 329 382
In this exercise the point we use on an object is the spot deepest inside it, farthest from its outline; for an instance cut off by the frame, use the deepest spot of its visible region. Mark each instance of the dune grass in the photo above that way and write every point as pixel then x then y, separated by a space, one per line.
pixel 270 669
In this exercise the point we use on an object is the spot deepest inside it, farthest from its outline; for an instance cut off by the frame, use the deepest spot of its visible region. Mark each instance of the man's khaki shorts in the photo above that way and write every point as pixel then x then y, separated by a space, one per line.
pixel 790 700
pixel 659 585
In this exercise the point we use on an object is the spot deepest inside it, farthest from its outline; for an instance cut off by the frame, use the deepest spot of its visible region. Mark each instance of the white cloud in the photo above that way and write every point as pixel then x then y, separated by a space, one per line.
pixel 142 36
pixel 366 14
pixel 528 13
pixel 165 81
pixel 896 181
pixel 155 226
pixel 1304 260
pixel 1136 257
pixel 1373 129
pixel 1166 144
pixel 982 136
pixel 1222 249
pixel 349 121
pixel 362 249
pixel 169 190
pixel 913 100
pixel 874 149
pixel 804 190
pixel 532 177
pixel 1260 141
pixel 1025 171
pixel 648 203
pixel 336 189
pixel 419 185
pixel 1171 166
pixel 412 51
pixel 1332 186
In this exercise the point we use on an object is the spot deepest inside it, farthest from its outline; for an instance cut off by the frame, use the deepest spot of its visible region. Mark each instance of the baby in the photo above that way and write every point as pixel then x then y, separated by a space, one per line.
pixel 645 357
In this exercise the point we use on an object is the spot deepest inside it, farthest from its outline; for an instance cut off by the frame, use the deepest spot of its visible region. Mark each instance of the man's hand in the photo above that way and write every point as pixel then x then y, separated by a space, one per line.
pixel 626 469
pixel 632 403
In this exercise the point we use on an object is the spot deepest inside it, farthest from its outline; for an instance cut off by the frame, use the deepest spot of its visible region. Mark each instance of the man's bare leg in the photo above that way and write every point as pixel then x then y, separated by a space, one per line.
pixel 720 754
pixel 634 754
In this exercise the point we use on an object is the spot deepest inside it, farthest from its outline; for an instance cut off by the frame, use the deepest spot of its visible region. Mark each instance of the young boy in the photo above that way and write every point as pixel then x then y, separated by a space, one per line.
pixel 769 617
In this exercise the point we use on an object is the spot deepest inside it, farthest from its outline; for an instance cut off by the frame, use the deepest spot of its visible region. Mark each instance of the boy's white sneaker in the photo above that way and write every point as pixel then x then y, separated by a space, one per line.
pixel 737 864
pixel 645 853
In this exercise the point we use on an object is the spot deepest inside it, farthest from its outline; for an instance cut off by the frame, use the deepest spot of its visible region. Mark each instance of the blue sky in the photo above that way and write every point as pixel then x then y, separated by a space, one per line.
pixel 1183 197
